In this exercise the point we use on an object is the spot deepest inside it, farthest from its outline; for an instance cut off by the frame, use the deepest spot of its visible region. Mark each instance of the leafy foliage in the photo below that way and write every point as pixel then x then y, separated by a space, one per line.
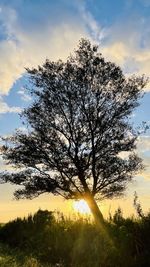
pixel 44 240
pixel 78 125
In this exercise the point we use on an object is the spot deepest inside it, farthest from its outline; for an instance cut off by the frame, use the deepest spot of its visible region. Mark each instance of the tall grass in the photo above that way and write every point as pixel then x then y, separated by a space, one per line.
pixel 46 240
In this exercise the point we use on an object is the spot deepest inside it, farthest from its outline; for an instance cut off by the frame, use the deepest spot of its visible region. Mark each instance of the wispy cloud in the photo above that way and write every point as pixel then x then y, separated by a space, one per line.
pixel 24 96
pixel 96 32
pixel 143 144
pixel 4 108
pixel 126 42
pixel 21 49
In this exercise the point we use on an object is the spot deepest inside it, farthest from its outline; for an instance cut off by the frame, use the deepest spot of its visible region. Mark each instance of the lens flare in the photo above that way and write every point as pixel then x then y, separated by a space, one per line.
pixel 81 207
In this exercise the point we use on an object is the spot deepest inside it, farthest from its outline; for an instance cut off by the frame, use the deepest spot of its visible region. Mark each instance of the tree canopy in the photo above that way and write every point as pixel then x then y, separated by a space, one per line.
pixel 78 124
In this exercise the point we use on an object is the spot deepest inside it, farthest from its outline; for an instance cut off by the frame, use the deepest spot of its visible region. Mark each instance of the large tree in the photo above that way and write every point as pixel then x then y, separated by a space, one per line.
pixel 78 124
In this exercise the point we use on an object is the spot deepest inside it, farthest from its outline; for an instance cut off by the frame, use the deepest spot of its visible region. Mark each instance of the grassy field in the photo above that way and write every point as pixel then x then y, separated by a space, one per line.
pixel 12 258
pixel 15 258
pixel 44 240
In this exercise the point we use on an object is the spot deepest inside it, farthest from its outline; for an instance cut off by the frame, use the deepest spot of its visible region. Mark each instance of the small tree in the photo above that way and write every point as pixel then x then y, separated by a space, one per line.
pixel 78 125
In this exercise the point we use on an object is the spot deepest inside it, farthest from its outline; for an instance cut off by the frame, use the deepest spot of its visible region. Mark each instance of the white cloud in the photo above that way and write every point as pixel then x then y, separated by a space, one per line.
pixel 143 149
pixel 4 108
pixel 116 51
pixel 120 43
pixel 24 96
pixel 28 49
pixel 96 32
pixel 146 172
pixel 143 144
pixel 127 44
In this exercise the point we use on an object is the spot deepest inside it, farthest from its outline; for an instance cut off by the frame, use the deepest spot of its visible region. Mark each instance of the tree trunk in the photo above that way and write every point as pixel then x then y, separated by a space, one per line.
pixel 100 223
pixel 95 210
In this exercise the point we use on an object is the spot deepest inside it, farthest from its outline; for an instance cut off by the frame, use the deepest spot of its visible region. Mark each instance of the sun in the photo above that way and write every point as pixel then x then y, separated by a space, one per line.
pixel 81 207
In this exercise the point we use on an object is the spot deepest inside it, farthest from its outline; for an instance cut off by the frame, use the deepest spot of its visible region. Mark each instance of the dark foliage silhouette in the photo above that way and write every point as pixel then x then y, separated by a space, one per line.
pixel 64 242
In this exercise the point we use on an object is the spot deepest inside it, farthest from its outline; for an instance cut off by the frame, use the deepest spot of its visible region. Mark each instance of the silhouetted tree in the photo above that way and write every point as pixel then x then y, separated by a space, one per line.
pixel 78 124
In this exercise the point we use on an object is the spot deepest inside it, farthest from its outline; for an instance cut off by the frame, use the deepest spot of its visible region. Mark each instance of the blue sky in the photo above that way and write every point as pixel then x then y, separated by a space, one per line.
pixel 33 30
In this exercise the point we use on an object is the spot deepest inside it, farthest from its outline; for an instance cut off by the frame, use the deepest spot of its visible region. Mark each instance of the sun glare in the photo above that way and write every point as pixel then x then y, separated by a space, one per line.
pixel 81 207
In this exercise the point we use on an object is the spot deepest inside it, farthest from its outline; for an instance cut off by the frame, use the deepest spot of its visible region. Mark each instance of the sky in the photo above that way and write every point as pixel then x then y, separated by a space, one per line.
pixel 33 30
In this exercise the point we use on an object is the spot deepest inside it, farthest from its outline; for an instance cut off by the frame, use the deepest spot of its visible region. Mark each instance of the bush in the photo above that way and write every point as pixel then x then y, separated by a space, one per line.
pixel 43 240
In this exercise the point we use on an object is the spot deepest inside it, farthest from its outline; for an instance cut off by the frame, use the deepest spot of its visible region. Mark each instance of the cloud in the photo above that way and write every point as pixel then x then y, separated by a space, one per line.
pixel 96 32
pixel 145 173
pixel 126 42
pixel 143 144
pixel 4 108
pixel 24 96
pixel 116 51
pixel 143 149
pixel 21 48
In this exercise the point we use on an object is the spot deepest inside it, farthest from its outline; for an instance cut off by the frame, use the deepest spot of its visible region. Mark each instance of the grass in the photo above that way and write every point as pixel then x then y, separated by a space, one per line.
pixel 14 258
pixel 42 240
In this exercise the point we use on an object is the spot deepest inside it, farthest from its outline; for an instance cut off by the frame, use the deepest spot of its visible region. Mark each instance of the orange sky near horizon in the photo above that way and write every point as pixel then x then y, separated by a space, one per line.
pixel 11 208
